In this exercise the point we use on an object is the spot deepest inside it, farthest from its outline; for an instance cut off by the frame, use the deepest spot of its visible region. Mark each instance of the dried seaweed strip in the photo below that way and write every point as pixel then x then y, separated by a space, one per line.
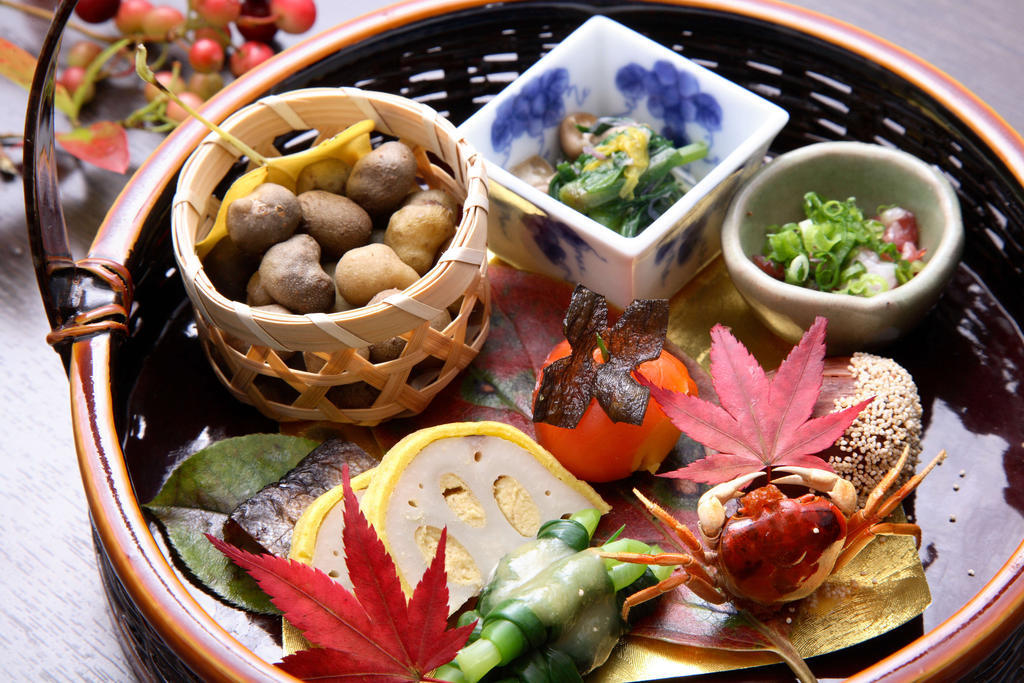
pixel 637 337
pixel 264 522
pixel 585 318
pixel 567 385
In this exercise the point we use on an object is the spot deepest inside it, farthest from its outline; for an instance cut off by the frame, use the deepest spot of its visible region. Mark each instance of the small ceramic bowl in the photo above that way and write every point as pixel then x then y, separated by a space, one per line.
pixel 875 176
pixel 607 69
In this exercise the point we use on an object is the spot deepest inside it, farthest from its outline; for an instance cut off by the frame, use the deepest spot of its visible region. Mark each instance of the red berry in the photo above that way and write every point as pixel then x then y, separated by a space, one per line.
pixel 175 112
pixel 162 21
pixel 249 55
pixel 205 85
pixel 206 55
pixel 73 78
pixel 83 52
pixel 221 36
pixel 218 12
pixel 293 16
pixel 96 11
pixel 255 22
pixel 173 83
pixel 130 15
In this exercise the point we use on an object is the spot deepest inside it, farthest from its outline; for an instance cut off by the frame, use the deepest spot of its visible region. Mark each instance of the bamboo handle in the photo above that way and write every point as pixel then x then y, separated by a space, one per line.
pixel 81 298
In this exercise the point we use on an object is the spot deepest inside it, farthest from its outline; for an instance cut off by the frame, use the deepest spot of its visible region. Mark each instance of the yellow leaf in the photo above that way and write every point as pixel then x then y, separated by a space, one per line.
pixel 348 145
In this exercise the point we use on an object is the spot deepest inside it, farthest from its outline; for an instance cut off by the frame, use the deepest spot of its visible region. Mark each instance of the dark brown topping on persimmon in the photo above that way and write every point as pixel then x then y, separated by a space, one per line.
pixel 569 383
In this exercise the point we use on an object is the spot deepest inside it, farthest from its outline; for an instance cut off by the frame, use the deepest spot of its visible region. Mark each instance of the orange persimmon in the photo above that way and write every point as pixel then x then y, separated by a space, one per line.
pixel 598 449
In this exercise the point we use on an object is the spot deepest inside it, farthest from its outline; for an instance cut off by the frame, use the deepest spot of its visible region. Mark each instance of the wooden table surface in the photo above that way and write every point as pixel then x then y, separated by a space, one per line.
pixel 54 621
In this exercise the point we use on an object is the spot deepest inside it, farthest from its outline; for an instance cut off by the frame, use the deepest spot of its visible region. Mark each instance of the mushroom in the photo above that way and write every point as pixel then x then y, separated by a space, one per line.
pixel 572 138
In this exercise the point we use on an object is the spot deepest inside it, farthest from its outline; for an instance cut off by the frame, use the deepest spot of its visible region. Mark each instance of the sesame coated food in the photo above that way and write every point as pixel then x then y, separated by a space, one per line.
pixel 889 424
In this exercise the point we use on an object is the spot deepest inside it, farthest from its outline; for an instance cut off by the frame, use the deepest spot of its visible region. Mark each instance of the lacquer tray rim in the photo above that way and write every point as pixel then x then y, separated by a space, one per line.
pixel 213 653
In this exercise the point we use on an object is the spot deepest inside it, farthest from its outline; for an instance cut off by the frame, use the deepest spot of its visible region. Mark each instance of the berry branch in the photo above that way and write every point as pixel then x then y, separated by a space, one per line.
pixel 194 54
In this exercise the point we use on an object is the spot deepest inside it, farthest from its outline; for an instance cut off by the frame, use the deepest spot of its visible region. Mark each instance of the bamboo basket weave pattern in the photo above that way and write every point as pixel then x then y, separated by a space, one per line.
pixel 308 367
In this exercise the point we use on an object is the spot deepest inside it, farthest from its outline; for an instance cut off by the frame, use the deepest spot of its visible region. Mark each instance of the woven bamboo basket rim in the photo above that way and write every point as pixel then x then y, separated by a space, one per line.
pixel 322 109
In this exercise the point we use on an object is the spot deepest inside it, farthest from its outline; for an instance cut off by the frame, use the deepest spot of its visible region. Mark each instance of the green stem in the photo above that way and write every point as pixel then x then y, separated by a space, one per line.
pixel 623 574
pixel 449 673
pixel 693 151
pixel 512 627
pixel 478 658
pixel 92 73
pixel 150 112
pixel 588 517
pixel 605 355
pixel 161 59
pixel 146 74
pixel 782 647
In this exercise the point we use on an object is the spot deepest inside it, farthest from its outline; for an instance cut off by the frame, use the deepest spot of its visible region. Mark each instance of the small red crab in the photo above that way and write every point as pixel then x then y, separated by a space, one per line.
pixel 775 549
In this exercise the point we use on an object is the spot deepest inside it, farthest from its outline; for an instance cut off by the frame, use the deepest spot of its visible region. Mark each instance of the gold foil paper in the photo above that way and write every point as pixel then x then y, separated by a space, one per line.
pixel 710 299
pixel 882 588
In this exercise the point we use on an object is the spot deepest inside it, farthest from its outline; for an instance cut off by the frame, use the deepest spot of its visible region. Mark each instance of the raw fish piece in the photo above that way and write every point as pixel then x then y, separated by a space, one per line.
pixel 264 522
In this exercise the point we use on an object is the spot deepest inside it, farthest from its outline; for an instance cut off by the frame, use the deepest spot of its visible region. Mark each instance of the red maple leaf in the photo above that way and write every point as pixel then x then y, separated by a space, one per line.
pixel 103 144
pixel 370 633
pixel 761 422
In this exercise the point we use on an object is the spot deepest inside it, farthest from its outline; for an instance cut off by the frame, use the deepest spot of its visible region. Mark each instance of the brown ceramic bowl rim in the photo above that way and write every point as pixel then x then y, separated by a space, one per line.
pixel 213 654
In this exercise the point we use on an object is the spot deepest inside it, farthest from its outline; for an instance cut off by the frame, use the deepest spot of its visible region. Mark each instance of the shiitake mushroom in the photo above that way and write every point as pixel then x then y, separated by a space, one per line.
pixel 337 223
pixel 264 217
pixel 381 179
pixel 572 139
pixel 290 272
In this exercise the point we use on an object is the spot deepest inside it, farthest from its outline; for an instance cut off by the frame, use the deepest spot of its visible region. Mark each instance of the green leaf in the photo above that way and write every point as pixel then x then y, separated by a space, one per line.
pixel 185 529
pixel 62 101
pixel 198 496
pixel 103 144
pixel 229 472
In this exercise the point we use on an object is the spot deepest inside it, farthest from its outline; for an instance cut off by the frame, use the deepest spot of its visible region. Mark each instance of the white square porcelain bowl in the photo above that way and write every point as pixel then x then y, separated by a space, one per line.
pixel 607 69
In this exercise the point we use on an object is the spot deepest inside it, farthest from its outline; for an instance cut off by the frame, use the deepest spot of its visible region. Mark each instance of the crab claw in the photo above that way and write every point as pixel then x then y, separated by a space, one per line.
pixel 842 493
pixel 711 506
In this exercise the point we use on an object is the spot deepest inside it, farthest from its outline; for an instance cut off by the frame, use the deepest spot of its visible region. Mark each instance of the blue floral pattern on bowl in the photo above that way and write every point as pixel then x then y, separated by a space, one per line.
pixel 556 240
pixel 539 105
pixel 673 96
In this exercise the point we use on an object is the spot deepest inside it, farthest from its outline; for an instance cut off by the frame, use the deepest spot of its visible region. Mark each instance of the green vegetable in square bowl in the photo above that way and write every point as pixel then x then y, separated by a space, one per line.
pixel 865 235
pixel 637 206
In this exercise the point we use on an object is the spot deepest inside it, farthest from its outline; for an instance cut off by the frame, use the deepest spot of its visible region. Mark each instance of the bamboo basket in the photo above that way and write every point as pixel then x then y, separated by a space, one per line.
pixel 309 367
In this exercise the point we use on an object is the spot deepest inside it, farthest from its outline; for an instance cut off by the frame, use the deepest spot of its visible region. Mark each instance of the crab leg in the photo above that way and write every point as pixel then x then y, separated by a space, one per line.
pixel 856 544
pixel 682 531
pixel 839 490
pixel 691 575
pixel 865 524
pixel 711 506
pixel 877 509
pixel 883 486
pixel 692 565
